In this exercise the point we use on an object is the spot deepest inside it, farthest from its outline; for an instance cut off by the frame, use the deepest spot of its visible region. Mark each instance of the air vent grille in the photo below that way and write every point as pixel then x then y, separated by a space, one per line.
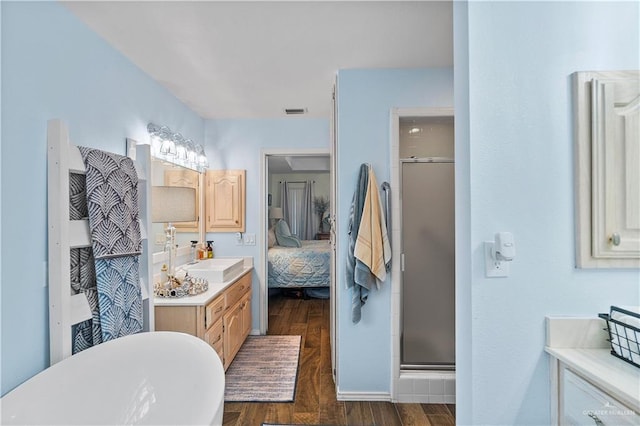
pixel 295 111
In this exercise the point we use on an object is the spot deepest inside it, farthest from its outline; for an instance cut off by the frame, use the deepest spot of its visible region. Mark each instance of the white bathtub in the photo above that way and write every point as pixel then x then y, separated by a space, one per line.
pixel 147 379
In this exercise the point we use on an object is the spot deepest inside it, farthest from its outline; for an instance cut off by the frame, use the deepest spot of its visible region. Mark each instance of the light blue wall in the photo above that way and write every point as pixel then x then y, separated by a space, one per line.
pixel 365 98
pixel 520 58
pixel 238 144
pixel 55 67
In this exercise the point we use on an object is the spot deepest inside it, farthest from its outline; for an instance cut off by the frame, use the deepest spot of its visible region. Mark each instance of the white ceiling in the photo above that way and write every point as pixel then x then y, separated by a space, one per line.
pixel 240 59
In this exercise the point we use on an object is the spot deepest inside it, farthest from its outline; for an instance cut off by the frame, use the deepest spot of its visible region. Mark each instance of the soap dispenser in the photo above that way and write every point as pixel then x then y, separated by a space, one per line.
pixel 209 249
pixel 194 252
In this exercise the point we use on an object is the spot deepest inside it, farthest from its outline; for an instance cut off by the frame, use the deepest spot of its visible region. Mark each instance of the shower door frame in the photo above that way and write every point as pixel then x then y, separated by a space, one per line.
pixel 396 235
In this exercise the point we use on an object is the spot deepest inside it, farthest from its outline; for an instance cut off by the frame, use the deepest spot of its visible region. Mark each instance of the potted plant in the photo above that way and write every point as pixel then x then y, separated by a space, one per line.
pixel 321 205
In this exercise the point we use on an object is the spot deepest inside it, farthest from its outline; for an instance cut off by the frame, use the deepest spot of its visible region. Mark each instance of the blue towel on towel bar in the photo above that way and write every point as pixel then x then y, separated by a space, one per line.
pixel 112 203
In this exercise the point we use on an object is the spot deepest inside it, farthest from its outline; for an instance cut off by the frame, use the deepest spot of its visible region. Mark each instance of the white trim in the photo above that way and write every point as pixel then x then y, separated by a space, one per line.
pixel 335 231
pixel 396 230
pixel 362 396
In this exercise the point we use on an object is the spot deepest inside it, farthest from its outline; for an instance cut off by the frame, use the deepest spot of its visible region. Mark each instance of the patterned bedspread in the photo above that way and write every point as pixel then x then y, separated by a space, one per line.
pixel 307 266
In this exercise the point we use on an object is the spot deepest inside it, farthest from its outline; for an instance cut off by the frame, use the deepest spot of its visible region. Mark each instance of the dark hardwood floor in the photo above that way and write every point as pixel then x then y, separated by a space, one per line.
pixel 315 401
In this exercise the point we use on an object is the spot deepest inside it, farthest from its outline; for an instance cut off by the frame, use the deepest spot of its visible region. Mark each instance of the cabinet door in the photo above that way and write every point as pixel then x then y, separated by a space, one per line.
pixel 245 313
pixel 607 152
pixel 189 179
pixel 616 160
pixel 232 334
pixel 225 200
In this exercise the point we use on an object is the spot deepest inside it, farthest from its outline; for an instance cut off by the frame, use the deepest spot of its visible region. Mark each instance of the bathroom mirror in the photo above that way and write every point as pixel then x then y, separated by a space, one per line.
pixel 167 174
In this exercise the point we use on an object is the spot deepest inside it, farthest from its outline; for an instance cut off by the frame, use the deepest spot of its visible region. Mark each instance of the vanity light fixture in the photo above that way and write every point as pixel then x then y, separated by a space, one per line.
pixel 174 148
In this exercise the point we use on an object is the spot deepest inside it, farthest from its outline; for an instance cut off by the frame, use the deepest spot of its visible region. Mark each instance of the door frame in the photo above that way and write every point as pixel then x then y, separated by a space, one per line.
pixel 264 221
pixel 396 233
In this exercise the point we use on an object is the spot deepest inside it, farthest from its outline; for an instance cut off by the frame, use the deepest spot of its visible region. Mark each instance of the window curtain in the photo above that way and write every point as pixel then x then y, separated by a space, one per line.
pixel 296 200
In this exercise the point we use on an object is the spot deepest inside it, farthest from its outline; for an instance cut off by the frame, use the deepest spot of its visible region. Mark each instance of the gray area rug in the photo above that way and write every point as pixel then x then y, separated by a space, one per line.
pixel 264 370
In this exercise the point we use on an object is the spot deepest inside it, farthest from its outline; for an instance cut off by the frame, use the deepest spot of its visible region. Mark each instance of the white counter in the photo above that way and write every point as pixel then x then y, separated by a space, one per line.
pixel 616 377
pixel 203 298
pixel 581 345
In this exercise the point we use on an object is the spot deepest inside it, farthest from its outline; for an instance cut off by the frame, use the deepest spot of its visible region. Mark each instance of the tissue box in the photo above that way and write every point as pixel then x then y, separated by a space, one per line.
pixel 623 325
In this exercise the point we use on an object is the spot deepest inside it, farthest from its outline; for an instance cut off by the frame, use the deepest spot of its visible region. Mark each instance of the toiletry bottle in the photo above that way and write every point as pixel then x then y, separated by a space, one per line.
pixel 202 252
pixel 209 250
pixel 194 252
pixel 164 277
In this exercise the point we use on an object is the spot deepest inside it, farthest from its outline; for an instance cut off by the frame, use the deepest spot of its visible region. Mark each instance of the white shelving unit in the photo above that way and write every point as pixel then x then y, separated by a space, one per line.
pixel 65 308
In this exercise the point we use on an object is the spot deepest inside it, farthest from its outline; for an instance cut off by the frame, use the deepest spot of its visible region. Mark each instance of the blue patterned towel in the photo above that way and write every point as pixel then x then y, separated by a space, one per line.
pixel 112 203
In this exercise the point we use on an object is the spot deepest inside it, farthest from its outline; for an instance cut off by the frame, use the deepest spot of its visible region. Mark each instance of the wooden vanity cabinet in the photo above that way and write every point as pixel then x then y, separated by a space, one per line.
pixel 224 322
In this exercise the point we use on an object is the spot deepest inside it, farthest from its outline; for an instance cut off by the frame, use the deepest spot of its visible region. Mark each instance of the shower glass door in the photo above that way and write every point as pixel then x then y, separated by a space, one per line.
pixel 428 276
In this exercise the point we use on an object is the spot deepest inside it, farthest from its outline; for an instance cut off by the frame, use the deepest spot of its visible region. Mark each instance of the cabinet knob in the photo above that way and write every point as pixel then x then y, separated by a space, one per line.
pixel 615 239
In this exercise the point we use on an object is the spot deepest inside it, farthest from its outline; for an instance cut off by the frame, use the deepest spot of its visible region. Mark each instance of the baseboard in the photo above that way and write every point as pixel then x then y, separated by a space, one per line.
pixel 255 332
pixel 362 396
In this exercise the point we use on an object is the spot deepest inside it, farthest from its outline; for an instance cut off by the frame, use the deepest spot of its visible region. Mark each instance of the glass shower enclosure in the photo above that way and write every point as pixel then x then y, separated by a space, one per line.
pixel 428 255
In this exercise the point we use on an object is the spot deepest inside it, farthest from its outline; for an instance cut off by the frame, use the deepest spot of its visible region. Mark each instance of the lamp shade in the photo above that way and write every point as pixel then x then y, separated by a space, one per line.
pixel 276 213
pixel 173 204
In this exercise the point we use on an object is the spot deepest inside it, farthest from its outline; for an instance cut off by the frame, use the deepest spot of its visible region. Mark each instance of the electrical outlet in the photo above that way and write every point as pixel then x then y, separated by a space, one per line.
pixel 160 238
pixel 494 268
pixel 250 239
pixel 239 239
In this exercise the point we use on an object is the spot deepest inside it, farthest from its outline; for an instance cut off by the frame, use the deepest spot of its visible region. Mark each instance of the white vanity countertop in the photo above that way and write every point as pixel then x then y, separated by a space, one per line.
pixel 203 298
pixel 613 375
pixel 580 343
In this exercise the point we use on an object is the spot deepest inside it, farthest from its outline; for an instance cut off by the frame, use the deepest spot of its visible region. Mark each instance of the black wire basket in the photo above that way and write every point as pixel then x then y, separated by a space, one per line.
pixel 623 337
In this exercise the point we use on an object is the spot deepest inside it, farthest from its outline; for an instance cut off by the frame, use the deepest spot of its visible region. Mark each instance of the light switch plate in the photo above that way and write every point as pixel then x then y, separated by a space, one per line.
pixel 494 268
pixel 249 239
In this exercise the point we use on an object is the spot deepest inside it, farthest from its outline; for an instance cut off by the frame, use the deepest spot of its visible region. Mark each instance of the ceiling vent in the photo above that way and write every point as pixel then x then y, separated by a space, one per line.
pixel 295 111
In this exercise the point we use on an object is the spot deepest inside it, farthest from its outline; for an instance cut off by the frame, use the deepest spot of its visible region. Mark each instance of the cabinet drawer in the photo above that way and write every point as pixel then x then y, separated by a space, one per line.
pixel 585 404
pixel 237 290
pixel 213 336
pixel 213 311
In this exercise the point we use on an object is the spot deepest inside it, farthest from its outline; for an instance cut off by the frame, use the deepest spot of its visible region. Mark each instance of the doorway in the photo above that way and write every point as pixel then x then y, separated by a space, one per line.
pixel 423 329
pixel 298 168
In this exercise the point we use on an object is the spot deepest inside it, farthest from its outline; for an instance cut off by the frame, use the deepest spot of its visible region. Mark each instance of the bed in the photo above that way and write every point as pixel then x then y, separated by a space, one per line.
pixel 306 266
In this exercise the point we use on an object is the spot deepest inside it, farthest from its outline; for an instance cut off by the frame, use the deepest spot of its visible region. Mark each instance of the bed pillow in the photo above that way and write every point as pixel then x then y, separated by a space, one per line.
pixel 272 237
pixel 284 237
